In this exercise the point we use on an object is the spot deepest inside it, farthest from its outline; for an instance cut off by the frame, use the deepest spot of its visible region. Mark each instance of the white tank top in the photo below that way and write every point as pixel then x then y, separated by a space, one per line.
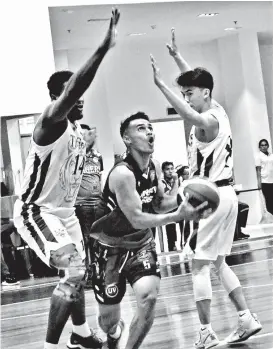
pixel 53 172
pixel 213 160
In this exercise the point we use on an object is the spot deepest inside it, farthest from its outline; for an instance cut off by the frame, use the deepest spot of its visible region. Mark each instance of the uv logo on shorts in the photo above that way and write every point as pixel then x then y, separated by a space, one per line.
pixel 111 291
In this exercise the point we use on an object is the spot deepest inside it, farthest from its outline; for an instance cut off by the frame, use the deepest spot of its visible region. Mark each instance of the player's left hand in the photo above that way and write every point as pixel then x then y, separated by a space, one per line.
pixel 111 35
pixel 172 47
pixel 156 71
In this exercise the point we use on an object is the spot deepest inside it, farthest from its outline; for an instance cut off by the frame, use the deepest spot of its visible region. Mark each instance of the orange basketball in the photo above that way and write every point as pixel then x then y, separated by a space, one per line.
pixel 200 190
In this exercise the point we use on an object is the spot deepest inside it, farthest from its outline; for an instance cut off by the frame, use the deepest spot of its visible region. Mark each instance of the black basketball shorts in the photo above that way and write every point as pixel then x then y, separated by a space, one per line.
pixel 112 266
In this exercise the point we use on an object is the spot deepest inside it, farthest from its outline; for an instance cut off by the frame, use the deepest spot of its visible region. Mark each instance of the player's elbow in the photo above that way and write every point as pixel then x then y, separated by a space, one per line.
pixel 137 224
pixel 137 221
pixel 158 209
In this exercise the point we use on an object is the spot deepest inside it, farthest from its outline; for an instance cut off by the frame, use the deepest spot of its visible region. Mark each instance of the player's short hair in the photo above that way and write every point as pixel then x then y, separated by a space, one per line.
pixel 265 141
pixel 56 82
pixel 125 123
pixel 85 127
pixel 198 77
pixel 165 164
pixel 183 168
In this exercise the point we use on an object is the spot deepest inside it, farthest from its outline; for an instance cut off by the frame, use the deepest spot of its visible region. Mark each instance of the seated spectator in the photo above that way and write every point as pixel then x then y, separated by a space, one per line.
pixel 8 264
pixel 183 173
pixel 4 190
pixel 7 278
pixel 243 210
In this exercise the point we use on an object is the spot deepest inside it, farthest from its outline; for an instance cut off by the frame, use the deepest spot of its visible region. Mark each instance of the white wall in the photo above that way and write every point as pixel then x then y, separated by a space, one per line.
pixel 246 106
pixel 27 54
pixel 96 105
pixel 266 53
pixel 124 85
pixel 128 81
pixel 170 143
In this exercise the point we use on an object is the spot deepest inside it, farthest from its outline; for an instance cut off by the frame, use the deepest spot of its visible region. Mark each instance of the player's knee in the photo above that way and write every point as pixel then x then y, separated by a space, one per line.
pixel 107 322
pixel 201 283
pixel 73 275
pixel 219 267
pixel 64 256
pixel 109 316
pixel 147 301
pixel 227 277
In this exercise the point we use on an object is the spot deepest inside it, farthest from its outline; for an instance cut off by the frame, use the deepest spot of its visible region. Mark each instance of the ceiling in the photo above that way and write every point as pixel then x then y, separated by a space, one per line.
pixel 72 30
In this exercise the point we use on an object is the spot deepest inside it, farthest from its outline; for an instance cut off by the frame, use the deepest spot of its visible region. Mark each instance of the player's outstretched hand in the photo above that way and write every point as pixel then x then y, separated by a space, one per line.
pixel 156 71
pixel 189 213
pixel 173 50
pixel 111 36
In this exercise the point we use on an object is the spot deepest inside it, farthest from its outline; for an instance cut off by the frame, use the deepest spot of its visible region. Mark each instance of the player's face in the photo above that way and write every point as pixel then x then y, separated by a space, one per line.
pixel 263 147
pixel 186 174
pixel 141 136
pixel 90 136
pixel 168 171
pixel 195 96
pixel 76 113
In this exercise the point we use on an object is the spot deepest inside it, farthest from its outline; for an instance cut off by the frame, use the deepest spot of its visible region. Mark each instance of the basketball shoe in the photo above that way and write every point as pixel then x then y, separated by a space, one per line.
pixel 113 343
pixel 79 342
pixel 247 327
pixel 10 281
pixel 207 339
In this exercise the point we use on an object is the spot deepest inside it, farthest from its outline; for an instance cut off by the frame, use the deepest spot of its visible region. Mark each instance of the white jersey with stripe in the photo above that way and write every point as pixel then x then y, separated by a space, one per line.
pixel 214 159
pixel 53 173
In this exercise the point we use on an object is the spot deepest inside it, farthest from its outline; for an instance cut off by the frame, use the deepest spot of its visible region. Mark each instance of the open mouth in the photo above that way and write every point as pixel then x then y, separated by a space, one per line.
pixel 151 140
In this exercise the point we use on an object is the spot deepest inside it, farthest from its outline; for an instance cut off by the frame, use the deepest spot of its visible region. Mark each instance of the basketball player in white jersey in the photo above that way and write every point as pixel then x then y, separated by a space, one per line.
pixel 44 214
pixel 210 155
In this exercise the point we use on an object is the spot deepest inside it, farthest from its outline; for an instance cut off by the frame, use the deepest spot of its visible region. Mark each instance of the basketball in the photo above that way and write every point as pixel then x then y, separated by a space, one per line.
pixel 200 190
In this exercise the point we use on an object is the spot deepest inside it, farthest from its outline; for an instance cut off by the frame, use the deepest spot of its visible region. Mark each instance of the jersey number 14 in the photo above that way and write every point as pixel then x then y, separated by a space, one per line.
pixel 79 165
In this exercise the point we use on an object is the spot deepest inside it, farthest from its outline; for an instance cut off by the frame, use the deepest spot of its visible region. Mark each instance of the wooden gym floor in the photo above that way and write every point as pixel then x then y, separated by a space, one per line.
pixel 25 308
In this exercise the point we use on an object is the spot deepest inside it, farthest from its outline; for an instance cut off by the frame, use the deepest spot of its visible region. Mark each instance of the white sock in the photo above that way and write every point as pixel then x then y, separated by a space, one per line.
pixel 206 327
pixel 50 346
pixel 244 313
pixel 117 334
pixel 82 330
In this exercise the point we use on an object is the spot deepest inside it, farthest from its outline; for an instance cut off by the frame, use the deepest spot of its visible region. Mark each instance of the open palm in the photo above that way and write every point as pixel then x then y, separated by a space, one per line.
pixel 156 71
pixel 112 31
pixel 173 50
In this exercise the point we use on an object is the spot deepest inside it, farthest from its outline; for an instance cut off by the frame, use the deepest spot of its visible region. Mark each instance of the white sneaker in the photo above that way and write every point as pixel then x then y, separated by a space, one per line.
pixel 207 339
pixel 246 328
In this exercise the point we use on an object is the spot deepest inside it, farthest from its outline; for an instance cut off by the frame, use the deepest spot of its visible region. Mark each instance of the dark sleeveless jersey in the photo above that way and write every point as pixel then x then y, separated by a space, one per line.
pixel 111 226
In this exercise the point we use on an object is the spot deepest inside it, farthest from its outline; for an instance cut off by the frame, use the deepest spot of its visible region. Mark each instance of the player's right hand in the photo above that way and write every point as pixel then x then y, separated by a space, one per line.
pixel 189 213
pixel 173 50
pixel 111 36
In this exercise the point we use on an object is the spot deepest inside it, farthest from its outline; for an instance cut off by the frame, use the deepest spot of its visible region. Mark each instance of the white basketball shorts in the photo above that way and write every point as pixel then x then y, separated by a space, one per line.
pixel 215 234
pixel 44 231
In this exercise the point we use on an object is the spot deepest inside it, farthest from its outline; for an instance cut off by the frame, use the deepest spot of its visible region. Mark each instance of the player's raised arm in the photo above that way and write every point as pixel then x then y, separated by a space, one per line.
pixel 180 105
pixel 174 52
pixel 122 183
pixel 81 80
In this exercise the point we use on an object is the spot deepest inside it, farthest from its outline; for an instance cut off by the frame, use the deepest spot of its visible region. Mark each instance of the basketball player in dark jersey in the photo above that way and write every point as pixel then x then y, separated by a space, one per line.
pixel 125 248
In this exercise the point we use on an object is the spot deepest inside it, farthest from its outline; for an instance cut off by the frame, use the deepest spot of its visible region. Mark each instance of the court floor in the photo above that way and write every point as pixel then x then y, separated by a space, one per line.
pixel 25 309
